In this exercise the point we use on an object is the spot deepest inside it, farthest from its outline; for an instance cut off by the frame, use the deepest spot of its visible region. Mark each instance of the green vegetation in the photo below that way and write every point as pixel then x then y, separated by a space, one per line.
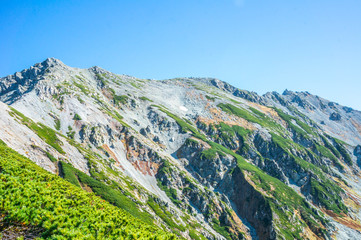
pixel 228 108
pixel 324 151
pixel 113 196
pixel 101 78
pixel 166 216
pixel 82 88
pixel 330 146
pixel 278 195
pixel 123 99
pixel 258 117
pixel 57 124
pixel 70 134
pixel 288 119
pixel 340 147
pixel 220 229
pixel 185 126
pixel 193 234
pixel 257 112
pixel 145 99
pixel 120 99
pixel 117 117
pixel 331 199
pixel 80 99
pixel 76 117
pixel 210 98
pixel 234 101
pixel 191 141
pixel 171 193
pixel 31 195
pixel 322 191
pixel 51 157
pixel 209 154
pixel 284 195
pixel 137 85
pixel 227 133
pixel 44 132
pixel 114 114
pixel 166 169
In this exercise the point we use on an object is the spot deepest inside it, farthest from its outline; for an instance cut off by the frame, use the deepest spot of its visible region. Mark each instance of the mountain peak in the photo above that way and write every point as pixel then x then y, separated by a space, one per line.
pixel 50 62
pixel 97 70
pixel 287 92
pixel 53 60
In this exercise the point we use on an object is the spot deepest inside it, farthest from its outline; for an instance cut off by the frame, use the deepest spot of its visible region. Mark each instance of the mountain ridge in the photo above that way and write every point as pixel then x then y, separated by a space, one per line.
pixel 198 148
pixel 51 61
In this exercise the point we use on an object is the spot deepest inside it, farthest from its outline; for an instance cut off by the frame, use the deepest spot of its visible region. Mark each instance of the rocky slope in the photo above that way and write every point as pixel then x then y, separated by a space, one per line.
pixel 196 156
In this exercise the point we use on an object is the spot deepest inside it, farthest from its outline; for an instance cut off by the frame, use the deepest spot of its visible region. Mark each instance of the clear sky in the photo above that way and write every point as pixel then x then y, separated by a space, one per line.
pixel 257 45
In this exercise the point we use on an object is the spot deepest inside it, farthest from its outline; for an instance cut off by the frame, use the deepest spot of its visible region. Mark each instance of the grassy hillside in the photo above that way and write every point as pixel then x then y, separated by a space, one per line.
pixel 31 196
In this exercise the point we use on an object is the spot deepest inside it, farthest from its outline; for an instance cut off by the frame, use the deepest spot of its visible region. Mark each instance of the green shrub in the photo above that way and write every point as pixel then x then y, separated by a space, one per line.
pixel 70 134
pixel 288 119
pixel 257 116
pixel 210 98
pixel 145 99
pixel 120 99
pixel 113 196
pixel 82 88
pixel 57 124
pixel 44 132
pixel 31 195
pixel 76 117
pixel 166 216
pixel 340 147
pixel 51 157
pixel 209 154
pixel 196 236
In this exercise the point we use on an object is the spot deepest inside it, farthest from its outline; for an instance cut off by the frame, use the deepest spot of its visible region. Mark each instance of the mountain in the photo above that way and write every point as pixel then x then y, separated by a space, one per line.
pixel 195 157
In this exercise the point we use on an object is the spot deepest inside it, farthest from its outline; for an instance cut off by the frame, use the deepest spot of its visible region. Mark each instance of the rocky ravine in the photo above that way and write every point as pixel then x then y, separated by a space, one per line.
pixel 201 157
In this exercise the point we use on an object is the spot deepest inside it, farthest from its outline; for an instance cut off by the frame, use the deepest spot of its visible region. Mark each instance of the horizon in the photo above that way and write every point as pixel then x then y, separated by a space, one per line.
pixel 259 47
pixel 194 77
pixel 189 77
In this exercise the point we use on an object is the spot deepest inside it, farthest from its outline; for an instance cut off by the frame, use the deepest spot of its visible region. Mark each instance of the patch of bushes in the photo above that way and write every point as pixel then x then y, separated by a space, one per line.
pixel 76 117
pixel 57 124
pixel 44 132
pixel 288 119
pixel 210 98
pixel 120 99
pixel 82 88
pixel 166 216
pixel 51 157
pixel 104 191
pixel 196 236
pixel 101 78
pixel 258 117
pixel 63 210
pixel 343 151
pixel 328 195
pixel 145 99
pixel 220 229
pixel 170 192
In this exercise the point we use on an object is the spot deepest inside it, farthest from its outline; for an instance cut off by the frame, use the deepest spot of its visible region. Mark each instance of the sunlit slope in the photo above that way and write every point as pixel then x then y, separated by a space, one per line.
pixel 30 195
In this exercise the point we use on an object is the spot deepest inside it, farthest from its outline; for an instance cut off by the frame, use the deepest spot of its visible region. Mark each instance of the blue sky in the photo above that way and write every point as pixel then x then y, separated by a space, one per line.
pixel 256 45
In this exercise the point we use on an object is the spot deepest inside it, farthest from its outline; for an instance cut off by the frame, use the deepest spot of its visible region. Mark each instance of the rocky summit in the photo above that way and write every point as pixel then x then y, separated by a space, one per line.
pixel 187 158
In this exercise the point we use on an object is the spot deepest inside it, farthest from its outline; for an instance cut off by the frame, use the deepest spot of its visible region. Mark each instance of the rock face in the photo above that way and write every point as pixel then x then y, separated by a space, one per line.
pixel 203 158
pixel 250 204
pixel 335 116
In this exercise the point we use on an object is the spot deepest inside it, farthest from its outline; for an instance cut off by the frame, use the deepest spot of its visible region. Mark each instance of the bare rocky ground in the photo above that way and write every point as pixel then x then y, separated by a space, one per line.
pixel 224 162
